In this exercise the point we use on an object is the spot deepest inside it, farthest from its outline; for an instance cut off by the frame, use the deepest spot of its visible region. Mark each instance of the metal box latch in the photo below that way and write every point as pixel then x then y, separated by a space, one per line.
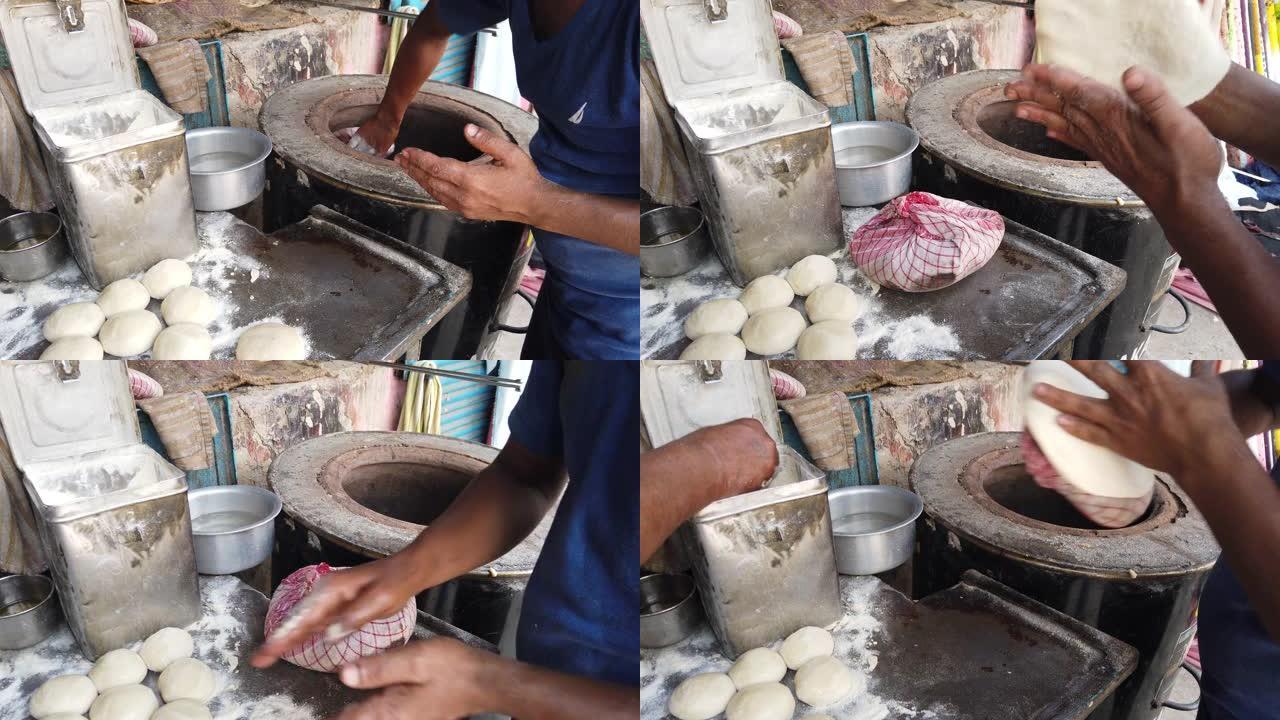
pixel 717 10
pixel 71 14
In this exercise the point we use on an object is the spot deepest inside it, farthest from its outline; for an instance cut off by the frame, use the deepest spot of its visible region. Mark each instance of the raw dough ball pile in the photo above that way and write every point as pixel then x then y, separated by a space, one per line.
pixel 716 317
pixel 773 331
pixel 66 694
pixel 757 666
pixel 717 346
pixel 832 301
pixel 811 273
pixel 183 341
pixel 701 697
pixel 73 348
pixel 123 295
pixel 825 681
pixel 186 679
pixel 763 701
pixel 127 702
pixel 188 304
pixel 806 644
pixel 129 333
pixel 82 319
pixel 829 340
pixel 183 710
pixel 271 341
pixel 116 668
pixel 166 276
pixel 767 291
pixel 165 646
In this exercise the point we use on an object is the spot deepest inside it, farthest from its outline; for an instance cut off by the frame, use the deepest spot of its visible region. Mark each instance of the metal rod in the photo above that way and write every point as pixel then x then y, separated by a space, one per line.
pixel 452 374
pixel 385 13
pixel 1251 175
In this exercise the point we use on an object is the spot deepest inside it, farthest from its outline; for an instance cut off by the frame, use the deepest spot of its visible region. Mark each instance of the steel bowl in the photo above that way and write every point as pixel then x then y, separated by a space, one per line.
pixel 669 609
pixel 29 611
pixel 673 240
pixel 873 161
pixel 873 527
pixel 228 166
pixel 31 246
pixel 233 527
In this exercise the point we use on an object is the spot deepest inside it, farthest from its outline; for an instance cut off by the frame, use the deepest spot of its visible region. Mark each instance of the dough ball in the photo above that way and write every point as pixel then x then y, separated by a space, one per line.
pixel 773 331
pixel 724 316
pixel 811 273
pixel 184 341
pixel 766 291
pixel 183 710
pixel 833 301
pixel 716 346
pixel 188 304
pixel 116 668
pixel 806 644
pixel 122 296
pixel 757 666
pixel 271 341
pixel 701 697
pixel 65 694
pixel 186 679
pixel 64 716
pixel 825 681
pixel 164 646
pixel 166 276
pixel 127 702
pixel 818 717
pixel 764 701
pixel 129 333
pixel 830 340
pixel 82 319
pixel 73 348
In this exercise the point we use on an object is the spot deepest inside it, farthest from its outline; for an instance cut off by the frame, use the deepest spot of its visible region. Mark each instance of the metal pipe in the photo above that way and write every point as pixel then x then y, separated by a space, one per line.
pixel 452 374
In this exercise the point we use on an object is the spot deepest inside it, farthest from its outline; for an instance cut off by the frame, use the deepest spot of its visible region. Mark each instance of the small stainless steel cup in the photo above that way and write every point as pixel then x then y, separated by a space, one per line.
pixel 673 240
pixel 29 611
pixel 669 609
pixel 31 246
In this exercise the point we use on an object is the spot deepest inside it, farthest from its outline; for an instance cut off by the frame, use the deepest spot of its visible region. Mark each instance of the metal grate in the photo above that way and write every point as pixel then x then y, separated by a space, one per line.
pixel 865 471
pixel 218 114
pixel 863 106
pixel 223 471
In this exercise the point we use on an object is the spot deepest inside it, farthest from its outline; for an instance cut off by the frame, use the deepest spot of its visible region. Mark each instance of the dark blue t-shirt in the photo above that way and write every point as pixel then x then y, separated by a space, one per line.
pixel 584 83
pixel 580 612
pixel 1241 661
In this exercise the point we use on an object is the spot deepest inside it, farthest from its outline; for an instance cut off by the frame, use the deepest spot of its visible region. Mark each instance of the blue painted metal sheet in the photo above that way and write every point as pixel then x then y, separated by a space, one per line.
pixel 223 471
pixel 468 406
pixel 863 106
pixel 218 114
pixel 456 64
pixel 865 470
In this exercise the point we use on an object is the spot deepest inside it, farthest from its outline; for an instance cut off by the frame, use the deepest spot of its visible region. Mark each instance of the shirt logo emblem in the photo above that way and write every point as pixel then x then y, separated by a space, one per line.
pixel 576 118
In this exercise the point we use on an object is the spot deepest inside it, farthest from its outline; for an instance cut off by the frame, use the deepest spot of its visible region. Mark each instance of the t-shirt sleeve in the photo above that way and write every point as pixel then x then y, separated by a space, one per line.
pixel 535 420
pixel 464 17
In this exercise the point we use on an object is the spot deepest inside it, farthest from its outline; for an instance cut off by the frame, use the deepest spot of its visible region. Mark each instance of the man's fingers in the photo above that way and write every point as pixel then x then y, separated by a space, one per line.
pixel 1104 375
pixel 432 165
pixel 1040 115
pixel 501 149
pixel 391 704
pixel 1150 94
pixel 1028 91
pixel 309 618
pixel 1092 410
pixel 397 666
pixel 1087 431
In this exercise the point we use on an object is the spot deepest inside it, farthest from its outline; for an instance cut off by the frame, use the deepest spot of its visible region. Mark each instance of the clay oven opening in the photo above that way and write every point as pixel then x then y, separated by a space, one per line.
pixel 412 493
pixel 434 127
pixel 1014 489
pixel 999 121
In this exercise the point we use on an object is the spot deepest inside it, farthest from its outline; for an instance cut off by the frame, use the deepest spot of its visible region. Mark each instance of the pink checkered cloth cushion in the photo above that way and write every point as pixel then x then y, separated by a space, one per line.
pixel 1103 511
pixel 921 242
pixel 322 655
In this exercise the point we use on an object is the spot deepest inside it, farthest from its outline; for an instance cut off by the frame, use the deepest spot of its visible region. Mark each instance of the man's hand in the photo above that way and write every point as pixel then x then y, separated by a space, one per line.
pixel 1158 148
pixel 380 132
pixel 1152 416
pixel 343 602
pixel 509 188
pixel 743 452
pixel 431 680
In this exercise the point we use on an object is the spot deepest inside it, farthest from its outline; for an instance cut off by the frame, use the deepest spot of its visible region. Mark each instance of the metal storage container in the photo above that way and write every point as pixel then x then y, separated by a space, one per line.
pixel 760 148
pixel 112 513
pixel 763 561
pixel 116 155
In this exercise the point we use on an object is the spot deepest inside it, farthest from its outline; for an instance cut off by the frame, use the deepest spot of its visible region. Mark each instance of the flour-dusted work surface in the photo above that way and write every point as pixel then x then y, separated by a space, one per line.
pixel 225 638
pixel 354 294
pixel 976 651
pixel 1027 302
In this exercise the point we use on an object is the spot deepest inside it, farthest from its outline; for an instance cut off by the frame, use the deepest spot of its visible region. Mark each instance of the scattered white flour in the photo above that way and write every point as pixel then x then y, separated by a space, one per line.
pixel 661 670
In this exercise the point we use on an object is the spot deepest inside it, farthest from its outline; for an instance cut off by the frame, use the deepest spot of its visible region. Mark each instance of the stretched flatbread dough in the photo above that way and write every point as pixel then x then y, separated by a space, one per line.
pixel 1102 39
pixel 1090 468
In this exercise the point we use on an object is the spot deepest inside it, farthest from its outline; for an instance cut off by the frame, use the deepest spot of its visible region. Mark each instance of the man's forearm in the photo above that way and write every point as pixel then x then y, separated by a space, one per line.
pixel 417 59
pixel 1242 110
pixel 1242 506
pixel 599 219
pixel 493 514
pixel 529 692
pixel 1252 413
pixel 1233 267
pixel 676 481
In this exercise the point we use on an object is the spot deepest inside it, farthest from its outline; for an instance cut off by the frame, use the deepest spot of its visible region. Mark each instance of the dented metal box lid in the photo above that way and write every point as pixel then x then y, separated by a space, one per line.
pixel 678 397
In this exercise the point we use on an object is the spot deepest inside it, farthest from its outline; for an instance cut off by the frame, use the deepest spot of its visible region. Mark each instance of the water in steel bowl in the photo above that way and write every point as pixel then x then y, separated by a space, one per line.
pixel 218 161
pixel 863 522
pixel 223 521
pixel 860 155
